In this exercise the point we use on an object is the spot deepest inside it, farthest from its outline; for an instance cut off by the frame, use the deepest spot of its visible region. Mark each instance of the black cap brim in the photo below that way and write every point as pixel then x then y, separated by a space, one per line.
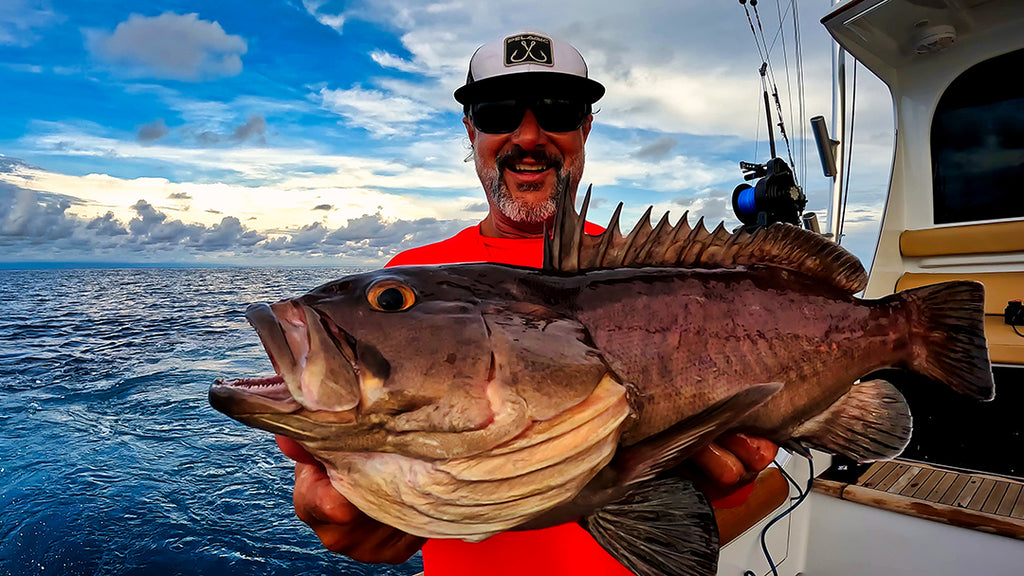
pixel 530 83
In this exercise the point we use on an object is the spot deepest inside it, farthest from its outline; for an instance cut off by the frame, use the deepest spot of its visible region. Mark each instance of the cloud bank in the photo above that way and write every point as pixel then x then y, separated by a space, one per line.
pixel 34 226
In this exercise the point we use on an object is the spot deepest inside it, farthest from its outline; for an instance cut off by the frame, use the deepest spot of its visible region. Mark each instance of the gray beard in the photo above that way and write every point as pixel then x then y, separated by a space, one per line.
pixel 525 212
pixel 520 211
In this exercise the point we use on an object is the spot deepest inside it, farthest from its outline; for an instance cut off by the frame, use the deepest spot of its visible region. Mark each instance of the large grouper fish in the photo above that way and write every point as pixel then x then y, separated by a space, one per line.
pixel 460 401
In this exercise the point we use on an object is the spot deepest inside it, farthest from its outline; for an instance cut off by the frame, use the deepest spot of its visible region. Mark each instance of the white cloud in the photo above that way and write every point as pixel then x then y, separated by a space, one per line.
pixel 19 20
pixel 388 60
pixel 380 113
pixel 334 21
pixel 175 46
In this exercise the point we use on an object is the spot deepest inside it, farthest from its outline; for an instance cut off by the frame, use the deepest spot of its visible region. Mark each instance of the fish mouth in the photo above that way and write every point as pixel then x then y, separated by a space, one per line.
pixel 252 395
pixel 313 360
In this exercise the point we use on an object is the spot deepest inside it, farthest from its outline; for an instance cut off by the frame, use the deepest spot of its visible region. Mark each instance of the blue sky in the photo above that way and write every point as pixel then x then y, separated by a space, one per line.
pixel 314 132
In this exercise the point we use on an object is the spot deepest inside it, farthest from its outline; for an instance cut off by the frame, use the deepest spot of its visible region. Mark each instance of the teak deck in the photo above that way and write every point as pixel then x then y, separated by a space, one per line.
pixel 978 501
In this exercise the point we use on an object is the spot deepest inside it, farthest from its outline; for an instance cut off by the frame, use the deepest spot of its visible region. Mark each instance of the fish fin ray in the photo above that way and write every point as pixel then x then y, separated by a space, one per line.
pixel 645 460
pixel 870 422
pixel 779 245
pixel 949 322
pixel 664 527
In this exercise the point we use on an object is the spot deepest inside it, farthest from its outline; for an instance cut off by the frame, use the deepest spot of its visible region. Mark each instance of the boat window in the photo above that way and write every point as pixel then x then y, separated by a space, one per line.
pixel 978 144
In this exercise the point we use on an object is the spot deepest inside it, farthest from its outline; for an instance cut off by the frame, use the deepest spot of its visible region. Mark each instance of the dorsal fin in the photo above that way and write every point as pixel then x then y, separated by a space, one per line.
pixel 568 249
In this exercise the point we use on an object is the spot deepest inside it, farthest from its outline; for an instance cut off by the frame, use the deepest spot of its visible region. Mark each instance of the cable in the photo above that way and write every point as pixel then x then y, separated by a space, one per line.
pixel 799 492
pixel 799 500
pixel 1014 326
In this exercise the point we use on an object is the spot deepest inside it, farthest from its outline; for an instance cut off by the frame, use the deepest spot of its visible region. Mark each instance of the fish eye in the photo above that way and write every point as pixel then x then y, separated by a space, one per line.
pixel 390 296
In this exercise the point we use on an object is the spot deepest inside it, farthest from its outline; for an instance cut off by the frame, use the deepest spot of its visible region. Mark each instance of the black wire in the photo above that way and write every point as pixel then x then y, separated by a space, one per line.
pixel 799 492
pixel 757 41
pixel 1014 326
pixel 799 500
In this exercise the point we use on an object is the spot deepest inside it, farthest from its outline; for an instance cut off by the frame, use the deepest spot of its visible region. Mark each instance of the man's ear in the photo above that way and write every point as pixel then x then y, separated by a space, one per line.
pixel 586 126
pixel 470 130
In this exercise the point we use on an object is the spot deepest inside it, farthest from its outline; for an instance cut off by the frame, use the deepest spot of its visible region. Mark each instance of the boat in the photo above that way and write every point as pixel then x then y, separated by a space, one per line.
pixel 953 502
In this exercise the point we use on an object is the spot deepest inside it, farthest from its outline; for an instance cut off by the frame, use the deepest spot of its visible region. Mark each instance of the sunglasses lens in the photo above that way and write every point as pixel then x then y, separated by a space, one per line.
pixel 555 115
pixel 499 117
pixel 504 116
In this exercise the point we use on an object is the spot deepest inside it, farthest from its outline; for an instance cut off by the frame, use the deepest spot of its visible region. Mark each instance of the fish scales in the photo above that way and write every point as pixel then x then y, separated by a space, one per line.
pixel 690 338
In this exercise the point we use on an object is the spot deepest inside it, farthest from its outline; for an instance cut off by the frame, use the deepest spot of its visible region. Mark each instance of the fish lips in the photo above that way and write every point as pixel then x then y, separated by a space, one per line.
pixel 315 357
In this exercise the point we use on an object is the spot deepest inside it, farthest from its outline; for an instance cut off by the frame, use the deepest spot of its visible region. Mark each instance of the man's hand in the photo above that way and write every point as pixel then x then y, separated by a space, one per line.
pixel 341 526
pixel 732 461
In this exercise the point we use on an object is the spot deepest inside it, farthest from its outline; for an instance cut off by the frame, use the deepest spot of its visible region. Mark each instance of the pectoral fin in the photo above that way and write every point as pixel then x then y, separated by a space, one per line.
pixel 870 422
pixel 664 527
pixel 664 450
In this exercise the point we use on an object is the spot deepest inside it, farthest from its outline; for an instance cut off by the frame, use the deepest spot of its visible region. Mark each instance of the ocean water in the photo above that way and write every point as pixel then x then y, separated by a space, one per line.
pixel 111 460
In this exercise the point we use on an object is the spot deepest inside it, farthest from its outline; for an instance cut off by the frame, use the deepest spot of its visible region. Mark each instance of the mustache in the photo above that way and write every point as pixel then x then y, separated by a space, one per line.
pixel 518 154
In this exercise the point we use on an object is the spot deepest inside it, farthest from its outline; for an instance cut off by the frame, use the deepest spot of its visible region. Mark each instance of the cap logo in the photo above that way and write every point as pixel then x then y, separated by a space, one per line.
pixel 528 49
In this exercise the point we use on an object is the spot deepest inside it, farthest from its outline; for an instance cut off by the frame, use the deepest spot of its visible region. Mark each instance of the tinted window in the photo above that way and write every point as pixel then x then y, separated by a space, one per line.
pixel 978 144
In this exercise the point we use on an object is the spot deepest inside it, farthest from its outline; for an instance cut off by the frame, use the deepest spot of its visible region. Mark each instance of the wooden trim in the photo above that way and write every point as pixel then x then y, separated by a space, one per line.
pixel 992 238
pixel 983 502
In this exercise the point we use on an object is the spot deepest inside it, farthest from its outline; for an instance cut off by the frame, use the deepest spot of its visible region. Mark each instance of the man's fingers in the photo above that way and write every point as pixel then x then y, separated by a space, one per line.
pixel 754 452
pixel 719 464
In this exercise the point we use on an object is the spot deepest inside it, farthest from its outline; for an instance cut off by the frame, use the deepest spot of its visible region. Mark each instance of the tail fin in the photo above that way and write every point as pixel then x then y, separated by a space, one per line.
pixel 948 324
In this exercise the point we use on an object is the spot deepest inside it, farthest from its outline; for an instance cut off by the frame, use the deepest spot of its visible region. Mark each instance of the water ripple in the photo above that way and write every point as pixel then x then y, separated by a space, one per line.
pixel 111 460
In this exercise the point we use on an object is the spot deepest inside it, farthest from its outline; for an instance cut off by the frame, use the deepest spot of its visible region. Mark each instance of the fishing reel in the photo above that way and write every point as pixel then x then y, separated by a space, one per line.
pixel 775 197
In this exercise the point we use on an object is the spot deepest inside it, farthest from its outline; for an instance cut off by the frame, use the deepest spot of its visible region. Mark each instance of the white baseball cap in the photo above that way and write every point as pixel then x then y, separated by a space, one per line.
pixel 527 62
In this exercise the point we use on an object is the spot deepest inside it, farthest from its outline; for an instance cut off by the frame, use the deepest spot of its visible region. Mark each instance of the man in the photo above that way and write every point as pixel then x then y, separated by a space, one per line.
pixel 527 103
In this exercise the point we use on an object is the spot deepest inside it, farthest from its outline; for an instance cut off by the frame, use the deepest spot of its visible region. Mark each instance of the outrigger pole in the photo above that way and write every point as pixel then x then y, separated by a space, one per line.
pixel 839 132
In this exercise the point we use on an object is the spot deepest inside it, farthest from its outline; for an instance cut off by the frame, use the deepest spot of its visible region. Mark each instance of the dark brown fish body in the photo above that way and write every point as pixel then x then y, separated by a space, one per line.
pixel 690 338
pixel 463 400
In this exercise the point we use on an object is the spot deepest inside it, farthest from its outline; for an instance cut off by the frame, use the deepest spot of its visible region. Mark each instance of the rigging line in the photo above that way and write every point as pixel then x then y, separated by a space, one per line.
pixel 781 19
pixel 757 41
pixel 800 89
pixel 789 85
pixel 771 70
pixel 764 39
pixel 766 64
pixel 849 154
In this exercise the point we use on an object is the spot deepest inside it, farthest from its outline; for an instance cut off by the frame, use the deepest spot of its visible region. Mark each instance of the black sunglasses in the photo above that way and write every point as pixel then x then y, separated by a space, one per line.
pixel 553 114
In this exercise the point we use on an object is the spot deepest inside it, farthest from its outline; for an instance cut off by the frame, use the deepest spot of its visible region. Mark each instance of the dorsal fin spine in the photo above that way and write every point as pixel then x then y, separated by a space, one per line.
pixel 609 233
pixel 569 249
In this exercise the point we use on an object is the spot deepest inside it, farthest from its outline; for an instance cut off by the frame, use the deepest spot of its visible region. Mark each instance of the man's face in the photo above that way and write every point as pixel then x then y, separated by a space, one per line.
pixel 522 171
